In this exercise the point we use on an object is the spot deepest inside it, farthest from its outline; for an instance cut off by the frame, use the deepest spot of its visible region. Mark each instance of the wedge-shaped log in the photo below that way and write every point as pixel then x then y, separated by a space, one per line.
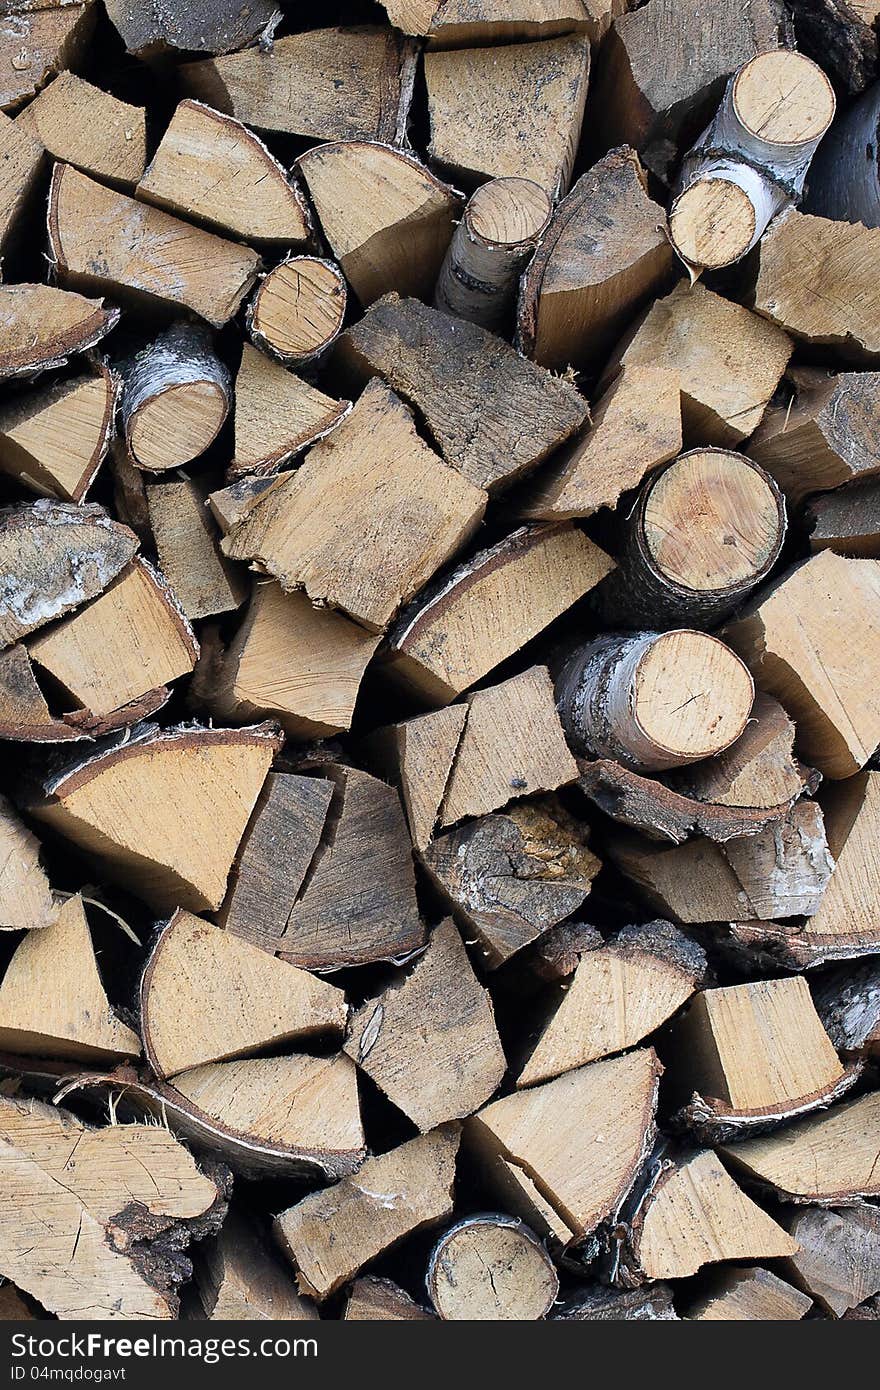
pixel 90 129
pixel 783 871
pixel 839 305
pixel 275 854
pixel 848 1002
pixel 463 22
pixel 821 617
pixel 40 326
pixel 239 1278
pixel 359 902
pixel 67 1229
pixel 68 1016
pixel 25 715
pixel 367 519
pixel 750 1294
pixel 759 770
pixel 277 414
pixel 380 1300
pixel 209 26
pixel 618 994
pixel 331 1235
pixel 825 436
pixel 604 254
pixel 26 898
pixel 491 1269
pixel 296 663
pixel 839 1257
pixel 51 36
pixel 429 1041
pixel 22 158
pixel 54 440
pixel 298 308
pixel 327 84
pixel 694 1214
pixel 104 240
pixel 56 557
pixel 753 1054
pixel 207 995
pixel 388 219
pixel 510 112
pixel 210 168
pixel 187 541
pixel 124 644
pixel 635 427
pixel 493 415
pixel 417 756
pixel 490 606
pixel 163 811
pixel 565 1155
pixel 510 877
pixel 830 1159
pixel 729 361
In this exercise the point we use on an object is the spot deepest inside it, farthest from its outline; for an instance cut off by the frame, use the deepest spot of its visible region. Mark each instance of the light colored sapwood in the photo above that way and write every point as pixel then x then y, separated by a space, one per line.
pixel 175 397
pixel 277 414
pixel 240 1279
pixel 830 1158
pixel 750 1294
pixel 40 326
pixel 54 440
pixel 491 1269
pixel 38 40
pixel 298 308
pixel 26 898
pixel 84 126
pixel 21 160
pixel 187 543
pixel 380 1300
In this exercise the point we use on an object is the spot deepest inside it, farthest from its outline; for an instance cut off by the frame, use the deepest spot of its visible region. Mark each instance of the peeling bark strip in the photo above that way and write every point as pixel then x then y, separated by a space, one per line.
pixel 654 700
pixel 175 397
pixel 752 160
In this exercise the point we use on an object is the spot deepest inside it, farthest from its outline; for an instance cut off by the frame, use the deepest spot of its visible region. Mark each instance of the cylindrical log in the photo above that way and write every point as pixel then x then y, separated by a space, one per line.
pixel 705 530
pixel 844 182
pixel 497 234
pixel 491 1268
pixel 654 700
pixel 751 161
pixel 298 308
pixel 175 397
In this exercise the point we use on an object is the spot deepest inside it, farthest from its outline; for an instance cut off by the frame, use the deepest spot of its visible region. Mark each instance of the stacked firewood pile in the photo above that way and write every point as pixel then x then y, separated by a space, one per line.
pixel 439 659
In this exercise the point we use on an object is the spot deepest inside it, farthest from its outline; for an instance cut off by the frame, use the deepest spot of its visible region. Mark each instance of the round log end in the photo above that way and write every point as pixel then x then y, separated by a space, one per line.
pixel 712 223
pixel 691 695
pixel 784 98
pixel 491 1269
pixel 299 308
pixel 176 425
pixel 508 212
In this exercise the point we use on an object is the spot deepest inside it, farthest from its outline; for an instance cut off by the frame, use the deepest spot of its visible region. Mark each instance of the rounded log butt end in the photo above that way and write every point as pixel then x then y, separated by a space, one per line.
pixel 712 223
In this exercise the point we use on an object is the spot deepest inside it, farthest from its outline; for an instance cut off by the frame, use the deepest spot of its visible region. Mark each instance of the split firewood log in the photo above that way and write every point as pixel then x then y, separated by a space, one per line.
pixel 828 1159
pixel 750 1294
pixel 692 1214
pixel 654 700
pixel 736 1061
pixel 603 256
pixel 429 1040
pixel 102 240
pixel 822 616
pixel 490 1268
pixel 635 427
pixel 493 415
pixel 90 129
pixel 825 436
pixel 783 871
pixel 69 1017
pixel 663 67
pixel 847 1000
pixel 842 35
pixel 459 629
pixel 564 1155
pixel 54 439
pixel 39 39
pixel 26 898
pixel 513 111
pixel 25 715
pixel 56 557
pixel 503 743
pixel 216 27
pixel 22 163
pixel 388 219
pixel 329 1236
pixel 751 161
pixel 101 1237
pixel 729 361
pixel 292 662
pixel 327 84
pixel 456 23
pixel 40 326
pixel 843 183
pixel 210 168
pixel 838 1262
pixel 367 518
pixel 510 877
pixel 650 1303
pixel 496 237
pixel 239 1278
pixel 839 305
pixel 162 810
pixel 277 414
pixel 703 533
pixel 620 992
pixel 207 995
pixel 847 521
pixel 381 1300
pixel 298 308
pixel 175 397
pixel 187 542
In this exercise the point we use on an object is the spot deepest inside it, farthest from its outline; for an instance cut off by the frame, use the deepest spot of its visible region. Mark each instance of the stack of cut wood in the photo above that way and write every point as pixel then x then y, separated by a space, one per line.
pixel 439 660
